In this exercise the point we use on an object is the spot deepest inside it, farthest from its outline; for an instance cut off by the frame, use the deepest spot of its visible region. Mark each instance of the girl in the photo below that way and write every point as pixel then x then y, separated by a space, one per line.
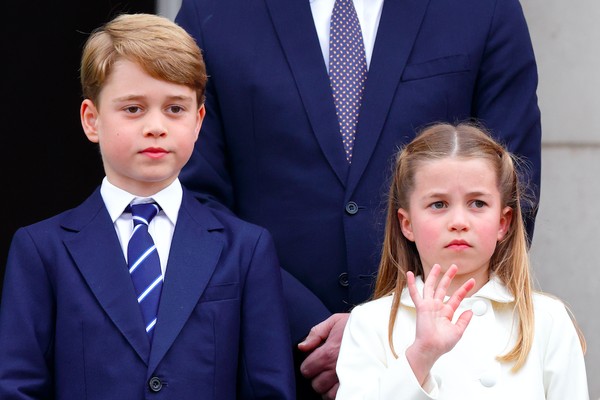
pixel 454 315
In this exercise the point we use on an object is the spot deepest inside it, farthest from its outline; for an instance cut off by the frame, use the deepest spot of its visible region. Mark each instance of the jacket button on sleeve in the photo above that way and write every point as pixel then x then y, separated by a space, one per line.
pixel 343 279
pixel 155 384
pixel 351 208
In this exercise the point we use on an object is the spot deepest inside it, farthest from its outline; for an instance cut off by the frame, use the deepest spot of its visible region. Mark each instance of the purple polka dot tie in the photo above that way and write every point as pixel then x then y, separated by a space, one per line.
pixel 144 263
pixel 347 69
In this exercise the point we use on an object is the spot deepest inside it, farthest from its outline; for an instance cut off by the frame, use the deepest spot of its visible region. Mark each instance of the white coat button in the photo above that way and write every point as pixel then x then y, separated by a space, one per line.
pixel 488 379
pixel 479 307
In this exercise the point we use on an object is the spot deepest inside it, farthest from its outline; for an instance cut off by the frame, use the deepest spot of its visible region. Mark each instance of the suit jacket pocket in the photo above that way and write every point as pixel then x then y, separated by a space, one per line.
pixel 439 66
pixel 222 291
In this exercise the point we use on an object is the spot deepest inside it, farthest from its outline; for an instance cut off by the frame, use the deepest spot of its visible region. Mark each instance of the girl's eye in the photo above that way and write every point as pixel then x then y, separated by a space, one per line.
pixel 478 204
pixel 438 205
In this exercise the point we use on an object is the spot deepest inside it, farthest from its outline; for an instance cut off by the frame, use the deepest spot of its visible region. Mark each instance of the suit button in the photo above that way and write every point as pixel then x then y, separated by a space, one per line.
pixel 351 208
pixel 155 384
pixel 343 279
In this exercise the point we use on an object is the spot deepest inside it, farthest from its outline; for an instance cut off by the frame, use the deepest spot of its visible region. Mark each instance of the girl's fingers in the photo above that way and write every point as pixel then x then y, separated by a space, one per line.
pixel 431 282
pixel 442 288
pixel 460 294
pixel 463 321
pixel 412 288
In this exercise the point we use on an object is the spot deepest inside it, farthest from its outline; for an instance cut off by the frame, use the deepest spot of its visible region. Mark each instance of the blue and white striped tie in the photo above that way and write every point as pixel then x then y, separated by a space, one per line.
pixel 144 263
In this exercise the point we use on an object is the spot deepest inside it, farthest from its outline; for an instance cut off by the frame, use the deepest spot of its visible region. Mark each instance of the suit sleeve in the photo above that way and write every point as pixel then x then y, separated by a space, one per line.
pixel 26 327
pixel 506 100
pixel 208 175
pixel 207 171
pixel 266 362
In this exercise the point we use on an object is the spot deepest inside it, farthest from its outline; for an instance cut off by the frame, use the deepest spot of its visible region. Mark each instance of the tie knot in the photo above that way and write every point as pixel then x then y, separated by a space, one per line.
pixel 143 213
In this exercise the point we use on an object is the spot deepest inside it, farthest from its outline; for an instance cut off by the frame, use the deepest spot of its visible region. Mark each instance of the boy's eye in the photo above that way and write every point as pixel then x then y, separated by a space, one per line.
pixel 175 109
pixel 132 109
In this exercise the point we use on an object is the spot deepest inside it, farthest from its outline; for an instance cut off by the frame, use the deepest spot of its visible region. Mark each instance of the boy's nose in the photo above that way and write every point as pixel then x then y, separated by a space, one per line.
pixel 155 127
pixel 156 132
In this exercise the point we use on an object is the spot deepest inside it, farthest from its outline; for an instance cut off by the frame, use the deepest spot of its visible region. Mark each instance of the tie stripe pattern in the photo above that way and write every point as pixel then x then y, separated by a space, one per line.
pixel 144 263
pixel 347 69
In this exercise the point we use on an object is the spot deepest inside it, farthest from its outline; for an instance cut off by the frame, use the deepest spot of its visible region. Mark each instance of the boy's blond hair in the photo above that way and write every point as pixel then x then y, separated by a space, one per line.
pixel 161 47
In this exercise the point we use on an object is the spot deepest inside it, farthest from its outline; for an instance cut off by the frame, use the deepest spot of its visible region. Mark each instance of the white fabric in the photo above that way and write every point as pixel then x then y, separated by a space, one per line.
pixel 369 14
pixel 554 369
pixel 161 227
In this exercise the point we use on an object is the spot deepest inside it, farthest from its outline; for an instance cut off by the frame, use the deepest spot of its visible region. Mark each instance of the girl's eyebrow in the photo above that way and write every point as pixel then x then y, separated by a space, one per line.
pixel 437 194
pixel 478 193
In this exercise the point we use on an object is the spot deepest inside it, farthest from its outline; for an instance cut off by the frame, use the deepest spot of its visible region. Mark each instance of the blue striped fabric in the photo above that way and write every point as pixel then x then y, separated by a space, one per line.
pixel 144 263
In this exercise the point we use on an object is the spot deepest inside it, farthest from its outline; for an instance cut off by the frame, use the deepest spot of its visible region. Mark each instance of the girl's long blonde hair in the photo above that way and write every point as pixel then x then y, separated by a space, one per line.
pixel 510 261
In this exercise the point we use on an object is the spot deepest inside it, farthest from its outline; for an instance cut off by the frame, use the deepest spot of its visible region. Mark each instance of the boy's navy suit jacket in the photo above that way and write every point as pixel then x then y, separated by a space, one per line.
pixel 71 328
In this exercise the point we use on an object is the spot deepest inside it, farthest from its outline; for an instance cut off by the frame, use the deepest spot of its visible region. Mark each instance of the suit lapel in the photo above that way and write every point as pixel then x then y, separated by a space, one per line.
pixel 302 49
pixel 192 259
pixel 397 31
pixel 99 257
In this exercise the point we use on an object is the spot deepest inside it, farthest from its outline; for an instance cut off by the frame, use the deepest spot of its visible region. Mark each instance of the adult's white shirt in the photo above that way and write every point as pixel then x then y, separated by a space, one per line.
pixel 368 13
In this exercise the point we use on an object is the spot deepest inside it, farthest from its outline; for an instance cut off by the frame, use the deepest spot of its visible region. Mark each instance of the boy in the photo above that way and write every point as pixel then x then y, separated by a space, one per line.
pixel 86 312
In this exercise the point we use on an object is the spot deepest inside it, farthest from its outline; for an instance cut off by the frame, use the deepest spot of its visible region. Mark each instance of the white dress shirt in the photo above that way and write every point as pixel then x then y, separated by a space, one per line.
pixel 369 14
pixel 554 368
pixel 161 227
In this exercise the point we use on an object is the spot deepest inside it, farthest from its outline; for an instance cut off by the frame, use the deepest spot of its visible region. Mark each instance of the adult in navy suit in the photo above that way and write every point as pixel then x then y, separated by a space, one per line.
pixel 270 148
pixel 70 323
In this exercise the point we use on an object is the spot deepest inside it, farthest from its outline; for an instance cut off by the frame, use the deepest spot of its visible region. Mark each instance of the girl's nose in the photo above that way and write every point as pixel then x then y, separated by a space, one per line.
pixel 458 220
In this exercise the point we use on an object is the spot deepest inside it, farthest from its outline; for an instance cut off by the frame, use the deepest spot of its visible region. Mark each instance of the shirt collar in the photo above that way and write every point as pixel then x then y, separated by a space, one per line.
pixel 116 199
pixel 493 290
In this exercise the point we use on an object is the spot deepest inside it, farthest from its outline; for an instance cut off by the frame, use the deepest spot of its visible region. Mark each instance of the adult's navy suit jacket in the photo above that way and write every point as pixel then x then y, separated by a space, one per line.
pixel 270 147
pixel 71 328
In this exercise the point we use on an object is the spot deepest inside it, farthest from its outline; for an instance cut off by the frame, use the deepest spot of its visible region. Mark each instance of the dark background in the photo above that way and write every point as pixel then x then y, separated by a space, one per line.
pixel 48 165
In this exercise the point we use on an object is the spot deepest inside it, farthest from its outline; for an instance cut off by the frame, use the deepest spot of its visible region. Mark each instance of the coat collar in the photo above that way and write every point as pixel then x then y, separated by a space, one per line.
pixel 493 290
pixel 98 256
pixel 303 52
pixel 194 255
pixel 397 31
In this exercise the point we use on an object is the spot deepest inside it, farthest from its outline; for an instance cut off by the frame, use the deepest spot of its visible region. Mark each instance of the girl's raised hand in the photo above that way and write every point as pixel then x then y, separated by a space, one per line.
pixel 436 334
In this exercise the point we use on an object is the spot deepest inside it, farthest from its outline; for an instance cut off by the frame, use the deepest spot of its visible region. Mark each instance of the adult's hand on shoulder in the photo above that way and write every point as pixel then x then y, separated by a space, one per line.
pixel 323 342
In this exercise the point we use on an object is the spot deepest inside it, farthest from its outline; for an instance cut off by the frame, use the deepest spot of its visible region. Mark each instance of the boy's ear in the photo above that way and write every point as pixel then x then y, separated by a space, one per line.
pixel 405 225
pixel 200 118
pixel 89 118
pixel 505 220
